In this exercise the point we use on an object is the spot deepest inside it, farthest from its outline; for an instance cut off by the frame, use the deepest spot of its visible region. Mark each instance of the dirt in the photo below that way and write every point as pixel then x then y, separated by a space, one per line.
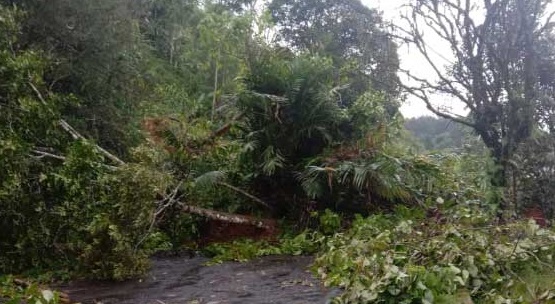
pixel 274 279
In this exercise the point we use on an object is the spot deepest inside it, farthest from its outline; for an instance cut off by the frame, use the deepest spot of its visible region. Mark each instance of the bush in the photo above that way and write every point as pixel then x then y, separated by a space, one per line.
pixel 114 241
pixel 80 212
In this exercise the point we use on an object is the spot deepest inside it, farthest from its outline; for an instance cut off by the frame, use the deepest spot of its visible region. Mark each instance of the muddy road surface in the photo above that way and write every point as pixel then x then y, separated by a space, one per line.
pixel 273 279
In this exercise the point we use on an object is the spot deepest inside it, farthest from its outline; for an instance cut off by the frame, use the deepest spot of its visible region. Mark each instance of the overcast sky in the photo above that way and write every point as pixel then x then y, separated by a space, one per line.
pixel 412 60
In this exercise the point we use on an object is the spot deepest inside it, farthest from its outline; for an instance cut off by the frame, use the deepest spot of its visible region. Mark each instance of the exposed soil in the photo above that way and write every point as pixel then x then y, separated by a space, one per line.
pixel 274 279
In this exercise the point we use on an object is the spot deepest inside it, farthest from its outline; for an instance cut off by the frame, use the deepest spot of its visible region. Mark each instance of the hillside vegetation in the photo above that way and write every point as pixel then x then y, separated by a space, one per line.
pixel 132 127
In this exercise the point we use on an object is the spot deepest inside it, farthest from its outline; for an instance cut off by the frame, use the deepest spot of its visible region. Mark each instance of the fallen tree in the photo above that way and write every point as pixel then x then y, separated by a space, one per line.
pixel 170 199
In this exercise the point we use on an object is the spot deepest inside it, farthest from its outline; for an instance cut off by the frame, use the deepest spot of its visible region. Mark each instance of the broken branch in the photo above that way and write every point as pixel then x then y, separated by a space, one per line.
pixel 76 135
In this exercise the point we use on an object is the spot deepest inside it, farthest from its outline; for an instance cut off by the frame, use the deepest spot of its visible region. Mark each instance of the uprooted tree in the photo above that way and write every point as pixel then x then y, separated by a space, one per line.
pixel 501 67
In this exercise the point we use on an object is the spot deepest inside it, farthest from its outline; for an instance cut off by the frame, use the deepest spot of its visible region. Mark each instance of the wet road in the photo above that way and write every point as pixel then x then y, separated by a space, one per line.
pixel 273 279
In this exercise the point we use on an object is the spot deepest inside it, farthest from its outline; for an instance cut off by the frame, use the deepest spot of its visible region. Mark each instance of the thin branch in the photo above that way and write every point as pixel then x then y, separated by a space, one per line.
pixel 421 94
pixel 424 51
pixel 169 201
pixel 437 87
pixel 243 192
pixel 42 154
pixel 547 24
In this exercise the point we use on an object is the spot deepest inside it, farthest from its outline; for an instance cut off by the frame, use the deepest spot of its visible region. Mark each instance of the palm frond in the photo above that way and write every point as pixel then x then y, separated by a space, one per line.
pixel 312 180
pixel 272 160
pixel 210 179
pixel 387 177
pixel 360 177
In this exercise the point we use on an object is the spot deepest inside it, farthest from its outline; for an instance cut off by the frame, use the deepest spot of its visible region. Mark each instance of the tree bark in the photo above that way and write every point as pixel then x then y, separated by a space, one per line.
pixel 226 217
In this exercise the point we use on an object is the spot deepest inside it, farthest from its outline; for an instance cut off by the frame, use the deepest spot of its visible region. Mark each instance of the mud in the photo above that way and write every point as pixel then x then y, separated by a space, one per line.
pixel 274 279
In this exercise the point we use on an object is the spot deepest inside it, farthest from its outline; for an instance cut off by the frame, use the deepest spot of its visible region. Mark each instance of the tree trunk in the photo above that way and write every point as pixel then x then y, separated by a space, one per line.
pixel 215 97
pixel 227 217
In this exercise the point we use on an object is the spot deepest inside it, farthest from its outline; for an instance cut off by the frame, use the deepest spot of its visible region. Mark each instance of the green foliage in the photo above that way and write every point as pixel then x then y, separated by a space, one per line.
pixel 532 174
pixel 98 56
pixel 296 122
pixel 115 231
pixel 290 111
pixel 329 222
pixel 11 293
pixel 383 259
pixel 83 212
pixel 236 123
pixel 461 177
pixel 368 115
pixel 243 250
pixel 60 201
pixel 203 46
pixel 291 116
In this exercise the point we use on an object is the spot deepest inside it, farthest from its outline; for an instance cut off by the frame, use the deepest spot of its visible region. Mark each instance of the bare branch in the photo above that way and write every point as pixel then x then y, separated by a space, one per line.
pixel 423 48
pixel 426 84
pixel 42 154
pixel 548 25
pixel 422 95
pixel 39 154
pixel 168 201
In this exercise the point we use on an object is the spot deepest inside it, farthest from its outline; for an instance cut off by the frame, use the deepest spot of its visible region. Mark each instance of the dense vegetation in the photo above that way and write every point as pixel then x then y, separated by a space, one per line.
pixel 126 125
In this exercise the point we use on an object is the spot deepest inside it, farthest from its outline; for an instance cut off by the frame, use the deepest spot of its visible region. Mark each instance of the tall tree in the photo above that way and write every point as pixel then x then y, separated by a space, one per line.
pixel 352 34
pixel 497 67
